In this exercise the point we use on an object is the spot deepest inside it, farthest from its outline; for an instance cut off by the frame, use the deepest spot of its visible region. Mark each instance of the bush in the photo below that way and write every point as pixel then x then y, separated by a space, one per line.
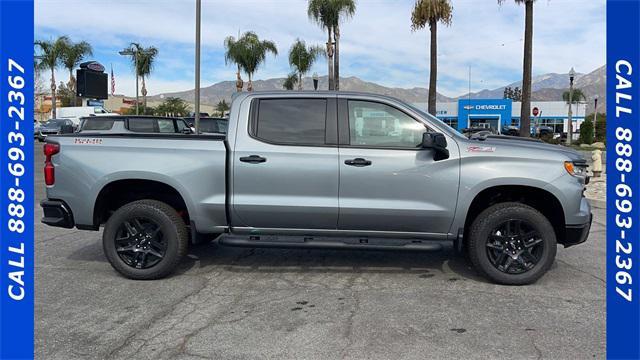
pixel 586 132
pixel 601 128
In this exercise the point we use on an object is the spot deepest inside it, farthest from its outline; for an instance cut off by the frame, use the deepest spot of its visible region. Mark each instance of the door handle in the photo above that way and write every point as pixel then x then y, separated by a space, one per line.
pixel 253 159
pixel 359 162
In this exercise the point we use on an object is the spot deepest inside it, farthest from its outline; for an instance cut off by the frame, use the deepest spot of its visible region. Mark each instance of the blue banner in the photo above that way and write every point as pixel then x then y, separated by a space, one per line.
pixel 623 182
pixel 16 179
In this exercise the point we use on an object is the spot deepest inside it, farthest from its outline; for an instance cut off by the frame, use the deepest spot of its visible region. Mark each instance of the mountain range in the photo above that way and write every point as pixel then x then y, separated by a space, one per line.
pixel 547 87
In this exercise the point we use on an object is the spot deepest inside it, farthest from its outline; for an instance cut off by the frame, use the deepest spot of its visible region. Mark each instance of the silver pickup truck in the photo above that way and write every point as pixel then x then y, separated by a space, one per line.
pixel 320 170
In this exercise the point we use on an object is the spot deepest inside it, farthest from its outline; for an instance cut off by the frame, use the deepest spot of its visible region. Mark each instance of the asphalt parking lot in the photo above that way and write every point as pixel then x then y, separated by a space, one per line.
pixel 229 303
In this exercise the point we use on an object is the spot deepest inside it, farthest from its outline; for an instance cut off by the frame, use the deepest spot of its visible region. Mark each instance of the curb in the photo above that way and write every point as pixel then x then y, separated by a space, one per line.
pixel 599 204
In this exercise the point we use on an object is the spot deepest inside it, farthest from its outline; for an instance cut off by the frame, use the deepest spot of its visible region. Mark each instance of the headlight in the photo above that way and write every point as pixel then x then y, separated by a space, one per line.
pixel 576 168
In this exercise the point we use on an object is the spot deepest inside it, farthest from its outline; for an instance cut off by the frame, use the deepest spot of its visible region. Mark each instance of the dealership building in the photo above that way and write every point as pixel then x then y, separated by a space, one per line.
pixel 501 113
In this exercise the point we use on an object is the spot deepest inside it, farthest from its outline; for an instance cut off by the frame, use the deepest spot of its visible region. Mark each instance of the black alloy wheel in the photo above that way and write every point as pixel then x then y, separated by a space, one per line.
pixel 145 239
pixel 511 243
pixel 515 246
pixel 140 243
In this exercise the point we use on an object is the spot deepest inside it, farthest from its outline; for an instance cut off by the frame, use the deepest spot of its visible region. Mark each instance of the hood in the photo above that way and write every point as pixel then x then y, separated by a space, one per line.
pixel 529 144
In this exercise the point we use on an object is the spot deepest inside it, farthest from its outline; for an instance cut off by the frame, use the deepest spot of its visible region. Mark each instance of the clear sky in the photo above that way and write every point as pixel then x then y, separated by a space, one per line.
pixel 377 43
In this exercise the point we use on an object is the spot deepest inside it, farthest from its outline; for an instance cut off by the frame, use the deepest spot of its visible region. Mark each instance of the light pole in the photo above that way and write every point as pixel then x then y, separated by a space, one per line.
pixel 134 52
pixel 572 75
pixel 595 116
pixel 315 81
pixel 197 90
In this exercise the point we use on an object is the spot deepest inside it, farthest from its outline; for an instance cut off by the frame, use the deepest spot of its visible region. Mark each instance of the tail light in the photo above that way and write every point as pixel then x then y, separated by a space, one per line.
pixel 50 149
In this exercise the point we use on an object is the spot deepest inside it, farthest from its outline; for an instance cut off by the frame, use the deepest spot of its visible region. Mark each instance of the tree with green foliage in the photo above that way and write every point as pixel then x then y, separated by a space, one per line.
pixel 222 107
pixel 577 96
pixel 49 56
pixel 66 95
pixel 586 132
pixel 173 106
pixel 302 58
pixel 72 55
pixel 601 127
pixel 432 12
pixel 328 14
pixel 145 62
pixel 290 81
pixel 248 53
pixel 525 108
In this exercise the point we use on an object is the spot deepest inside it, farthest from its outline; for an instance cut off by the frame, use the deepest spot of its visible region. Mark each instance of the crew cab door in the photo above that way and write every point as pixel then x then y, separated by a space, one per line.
pixel 387 181
pixel 285 164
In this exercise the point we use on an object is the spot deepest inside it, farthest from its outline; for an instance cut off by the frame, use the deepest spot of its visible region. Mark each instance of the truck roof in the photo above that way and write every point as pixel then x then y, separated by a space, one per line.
pixel 304 93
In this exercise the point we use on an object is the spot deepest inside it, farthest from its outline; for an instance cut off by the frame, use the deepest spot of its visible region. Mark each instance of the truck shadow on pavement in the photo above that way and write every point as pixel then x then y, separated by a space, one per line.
pixel 202 259
pixel 425 264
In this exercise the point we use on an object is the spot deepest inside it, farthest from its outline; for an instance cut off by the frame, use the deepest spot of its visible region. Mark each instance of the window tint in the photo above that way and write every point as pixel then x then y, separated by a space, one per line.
pixel 208 125
pixel 379 125
pixel 181 125
pixel 222 126
pixel 143 125
pixel 166 126
pixel 97 124
pixel 292 121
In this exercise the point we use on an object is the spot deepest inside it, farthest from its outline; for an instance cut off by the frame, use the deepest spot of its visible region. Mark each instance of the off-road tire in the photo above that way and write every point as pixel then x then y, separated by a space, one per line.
pixel 492 217
pixel 173 229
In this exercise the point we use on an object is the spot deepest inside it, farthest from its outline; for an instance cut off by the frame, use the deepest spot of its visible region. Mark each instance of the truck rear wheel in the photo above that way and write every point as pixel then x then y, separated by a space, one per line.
pixel 145 240
pixel 512 244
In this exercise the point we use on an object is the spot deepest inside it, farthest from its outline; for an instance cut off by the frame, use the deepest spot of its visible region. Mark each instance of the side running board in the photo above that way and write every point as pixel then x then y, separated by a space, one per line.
pixel 359 243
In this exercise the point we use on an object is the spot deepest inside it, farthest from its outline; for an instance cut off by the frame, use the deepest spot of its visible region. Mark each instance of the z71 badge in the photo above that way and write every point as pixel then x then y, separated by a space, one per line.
pixel 87 141
pixel 481 149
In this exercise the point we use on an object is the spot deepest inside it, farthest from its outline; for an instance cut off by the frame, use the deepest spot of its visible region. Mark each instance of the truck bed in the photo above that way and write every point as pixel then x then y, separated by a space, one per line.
pixel 194 165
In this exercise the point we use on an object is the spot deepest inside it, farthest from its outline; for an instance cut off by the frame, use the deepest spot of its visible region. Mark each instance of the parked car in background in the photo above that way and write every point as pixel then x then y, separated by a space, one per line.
pixel 36 128
pixel 210 125
pixel 134 124
pixel 54 127
pixel 469 132
pixel 320 170
pixel 511 130
pixel 74 113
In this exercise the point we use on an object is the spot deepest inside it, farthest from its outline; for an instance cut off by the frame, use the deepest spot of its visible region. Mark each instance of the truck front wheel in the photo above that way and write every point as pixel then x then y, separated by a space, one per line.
pixel 145 240
pixel 512 244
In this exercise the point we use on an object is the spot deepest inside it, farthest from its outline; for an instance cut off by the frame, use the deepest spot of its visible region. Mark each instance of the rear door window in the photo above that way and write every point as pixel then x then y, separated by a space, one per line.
pixel 97 124
pixel 166 126
pixel 143 125
pixel 292 121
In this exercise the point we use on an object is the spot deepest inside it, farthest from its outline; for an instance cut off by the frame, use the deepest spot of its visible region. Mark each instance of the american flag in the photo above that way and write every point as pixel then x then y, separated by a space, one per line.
pixel 113 82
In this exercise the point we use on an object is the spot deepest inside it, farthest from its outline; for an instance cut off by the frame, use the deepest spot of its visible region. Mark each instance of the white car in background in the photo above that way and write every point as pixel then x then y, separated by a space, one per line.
pixel 74 113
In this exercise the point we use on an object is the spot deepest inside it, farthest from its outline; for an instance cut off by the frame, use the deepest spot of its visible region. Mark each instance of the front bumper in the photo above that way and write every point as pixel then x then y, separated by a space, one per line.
pixel 576 234
pixel 57 213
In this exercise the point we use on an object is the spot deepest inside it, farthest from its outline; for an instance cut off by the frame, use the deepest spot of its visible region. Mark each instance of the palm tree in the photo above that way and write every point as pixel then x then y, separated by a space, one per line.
pixel 234 54
pixel 302 58
pixel 49 59
pixel 320 11
pixel 145 60
pixel 327 14
pixel 431 12
pixel 222 107
pixel 249 52
pixel 346 8
pixel 525 109
pixel 577 96
pixel 72 55
pixel 290 81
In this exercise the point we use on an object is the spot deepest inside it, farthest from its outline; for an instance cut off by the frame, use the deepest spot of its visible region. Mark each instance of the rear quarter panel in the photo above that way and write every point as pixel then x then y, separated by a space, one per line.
pixel 195 168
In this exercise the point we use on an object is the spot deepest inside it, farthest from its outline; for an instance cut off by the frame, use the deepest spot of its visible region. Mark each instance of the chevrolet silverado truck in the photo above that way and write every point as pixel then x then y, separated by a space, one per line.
pixel 320 170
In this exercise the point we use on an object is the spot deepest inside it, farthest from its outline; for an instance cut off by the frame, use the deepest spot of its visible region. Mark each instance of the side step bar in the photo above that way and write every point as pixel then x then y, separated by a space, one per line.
pixel 359 243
